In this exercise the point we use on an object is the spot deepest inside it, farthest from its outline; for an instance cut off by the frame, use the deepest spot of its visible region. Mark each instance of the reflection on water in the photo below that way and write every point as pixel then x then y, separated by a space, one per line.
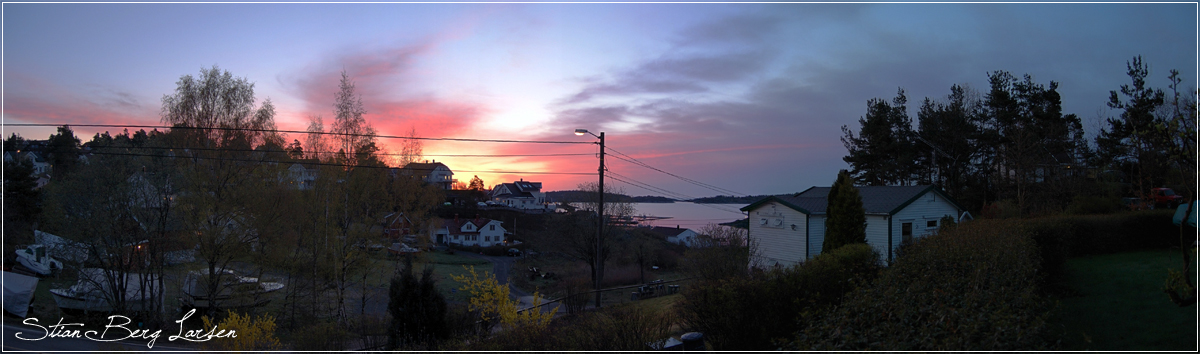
pixel 688 215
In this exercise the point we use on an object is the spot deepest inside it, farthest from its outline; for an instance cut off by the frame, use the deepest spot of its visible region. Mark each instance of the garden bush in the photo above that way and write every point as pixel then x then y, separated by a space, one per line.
pixel 616 328
pixel 1101 234
pixel 753 312
pixel 1093 204
pixel 1061 237
pixel 971 288
pixel 321 336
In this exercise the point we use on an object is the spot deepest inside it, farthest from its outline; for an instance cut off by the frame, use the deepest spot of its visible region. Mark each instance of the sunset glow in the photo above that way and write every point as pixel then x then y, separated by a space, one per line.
pixel 747 97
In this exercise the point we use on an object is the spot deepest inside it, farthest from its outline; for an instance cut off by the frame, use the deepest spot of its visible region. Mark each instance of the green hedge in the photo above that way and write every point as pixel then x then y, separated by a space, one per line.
pixel 1109 233
pixel 757 311
pixel 971 288
pixel 1062 237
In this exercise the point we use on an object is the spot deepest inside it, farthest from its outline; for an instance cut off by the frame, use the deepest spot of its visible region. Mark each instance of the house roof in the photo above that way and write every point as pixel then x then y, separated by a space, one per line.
pixel 454 226
pixel 424 166
pixel 394 218
pixel 885 200
pixel 667 231
pixel 307 164
pixel 527 186
pixel 519 189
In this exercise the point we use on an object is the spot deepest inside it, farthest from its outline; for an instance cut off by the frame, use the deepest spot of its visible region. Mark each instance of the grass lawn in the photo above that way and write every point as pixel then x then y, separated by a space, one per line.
pixel 444 265
pixel 1118 304
pixel 661 303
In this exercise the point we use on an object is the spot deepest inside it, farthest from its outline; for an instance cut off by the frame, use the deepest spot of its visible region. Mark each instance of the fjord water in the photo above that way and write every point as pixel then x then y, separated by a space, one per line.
pixel 688 215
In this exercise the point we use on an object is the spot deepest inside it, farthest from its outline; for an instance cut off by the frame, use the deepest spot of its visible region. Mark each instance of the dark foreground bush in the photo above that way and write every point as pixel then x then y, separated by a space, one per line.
pixel 752 313
pixel 617 328
pixel 971 288
pixel 1111 233
pixel 1062 237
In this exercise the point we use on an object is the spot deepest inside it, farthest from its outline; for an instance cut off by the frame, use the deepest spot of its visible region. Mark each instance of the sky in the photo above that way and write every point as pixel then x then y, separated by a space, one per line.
pixel 746 98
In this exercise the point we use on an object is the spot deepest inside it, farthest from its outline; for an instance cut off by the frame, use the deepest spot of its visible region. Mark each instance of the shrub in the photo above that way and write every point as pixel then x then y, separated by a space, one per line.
pixel 417 309
pixel 321 336
pixel 1091 204
pixel 1100 234
pixel 736 313
pixel 249 334
pixel 720 253
pixel 824 279
pixel 753 312
pixel 576 291
pixel 1061 237
pixel 616 328
pixel 1004 209
pixel 619 328
pixel 666 258
pixel 972 288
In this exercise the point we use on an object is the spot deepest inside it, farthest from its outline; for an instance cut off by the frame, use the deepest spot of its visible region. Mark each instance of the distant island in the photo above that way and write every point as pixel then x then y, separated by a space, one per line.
pixel 729 199
pixel 582 196
pixel 576 196
pixel 652 199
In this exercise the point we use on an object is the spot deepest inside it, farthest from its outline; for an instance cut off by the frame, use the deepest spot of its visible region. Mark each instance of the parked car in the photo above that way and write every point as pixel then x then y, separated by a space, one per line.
pixel 513 252
pixel 1133 203
pixel 1165 197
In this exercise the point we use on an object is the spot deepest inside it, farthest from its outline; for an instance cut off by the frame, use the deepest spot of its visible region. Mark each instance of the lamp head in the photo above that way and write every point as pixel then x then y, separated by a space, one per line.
pixel 581 132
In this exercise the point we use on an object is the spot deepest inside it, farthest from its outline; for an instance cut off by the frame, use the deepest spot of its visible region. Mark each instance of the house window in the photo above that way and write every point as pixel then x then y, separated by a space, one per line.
pixel 487 239
pixel 931 224
pixel 492 227
pixel 906 232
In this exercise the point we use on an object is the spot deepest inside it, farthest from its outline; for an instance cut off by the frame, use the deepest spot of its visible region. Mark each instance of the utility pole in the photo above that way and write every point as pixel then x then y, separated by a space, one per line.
pixel 598 264
pixel 600 227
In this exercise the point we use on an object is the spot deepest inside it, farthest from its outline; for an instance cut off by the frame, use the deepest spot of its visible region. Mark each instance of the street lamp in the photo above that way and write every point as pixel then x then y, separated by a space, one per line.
pixel 600 212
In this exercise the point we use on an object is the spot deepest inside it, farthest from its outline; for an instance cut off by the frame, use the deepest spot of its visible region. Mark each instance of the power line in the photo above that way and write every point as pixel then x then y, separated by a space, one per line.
pixel 635 161
pixel 705 205
pixel 646 186
pixel 313 163
pixel 652 188
pixel 299 132
pixel 685 179
pixel 325 152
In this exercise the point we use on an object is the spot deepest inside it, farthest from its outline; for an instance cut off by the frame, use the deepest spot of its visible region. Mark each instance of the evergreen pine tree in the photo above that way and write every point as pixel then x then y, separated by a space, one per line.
pixel 847 220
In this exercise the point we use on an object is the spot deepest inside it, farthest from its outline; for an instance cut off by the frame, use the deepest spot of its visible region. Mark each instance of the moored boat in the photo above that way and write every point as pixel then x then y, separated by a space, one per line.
pixel 234 291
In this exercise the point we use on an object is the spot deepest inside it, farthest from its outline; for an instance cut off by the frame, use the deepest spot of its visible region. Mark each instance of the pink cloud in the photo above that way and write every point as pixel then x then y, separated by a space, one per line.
pixel 385 79
pixel 32 99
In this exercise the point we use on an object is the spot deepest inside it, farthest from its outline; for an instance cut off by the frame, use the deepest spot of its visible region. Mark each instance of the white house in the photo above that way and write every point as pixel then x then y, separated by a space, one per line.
pixel 676 235
pixel 431 172
pixel 469 232
pixel 790 229
pixel 301 177
pixel 41 168
pixel 520 195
